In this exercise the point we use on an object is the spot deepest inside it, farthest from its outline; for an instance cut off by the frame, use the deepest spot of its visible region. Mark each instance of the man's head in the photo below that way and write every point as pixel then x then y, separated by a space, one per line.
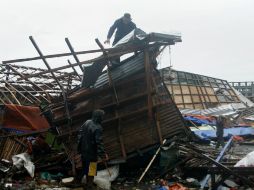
pixel 126 18
pixel 98 115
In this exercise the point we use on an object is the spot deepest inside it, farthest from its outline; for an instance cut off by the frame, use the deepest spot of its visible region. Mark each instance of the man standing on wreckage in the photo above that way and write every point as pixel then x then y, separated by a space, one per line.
pixel 123 26
pixel 91 148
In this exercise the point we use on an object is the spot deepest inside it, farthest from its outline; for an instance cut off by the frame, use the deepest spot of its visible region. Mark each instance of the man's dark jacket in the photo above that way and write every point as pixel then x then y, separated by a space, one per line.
pixel 90 144
pixel 219 127
pixel 122 29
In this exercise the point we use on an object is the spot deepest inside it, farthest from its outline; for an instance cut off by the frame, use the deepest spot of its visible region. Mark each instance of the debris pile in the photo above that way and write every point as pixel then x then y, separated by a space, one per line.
pixel 159 127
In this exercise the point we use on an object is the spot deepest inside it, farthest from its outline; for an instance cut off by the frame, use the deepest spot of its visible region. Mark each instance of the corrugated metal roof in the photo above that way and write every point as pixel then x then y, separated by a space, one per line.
pixel 230 109
pixel 131 66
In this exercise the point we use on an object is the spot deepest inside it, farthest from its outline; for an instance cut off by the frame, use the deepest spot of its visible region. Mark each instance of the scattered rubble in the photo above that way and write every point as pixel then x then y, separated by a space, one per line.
pixel 159 128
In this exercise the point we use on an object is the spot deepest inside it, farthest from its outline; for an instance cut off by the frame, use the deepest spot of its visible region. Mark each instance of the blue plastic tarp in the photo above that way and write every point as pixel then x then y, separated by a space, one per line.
pixel 198 120
pixel 16 131
pixel 238 131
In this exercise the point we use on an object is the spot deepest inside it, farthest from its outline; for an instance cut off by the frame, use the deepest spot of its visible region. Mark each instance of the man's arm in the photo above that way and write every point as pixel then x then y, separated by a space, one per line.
pixel 111 31
pixel 80 137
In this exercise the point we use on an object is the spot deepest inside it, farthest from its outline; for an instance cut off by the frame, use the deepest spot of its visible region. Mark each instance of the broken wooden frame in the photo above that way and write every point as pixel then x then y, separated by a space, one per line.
pixel 31 86
pixel 24 85
pixel 140 111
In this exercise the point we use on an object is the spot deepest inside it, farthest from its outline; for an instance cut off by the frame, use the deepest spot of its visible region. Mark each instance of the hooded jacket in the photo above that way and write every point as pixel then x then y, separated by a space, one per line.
pixel 90 144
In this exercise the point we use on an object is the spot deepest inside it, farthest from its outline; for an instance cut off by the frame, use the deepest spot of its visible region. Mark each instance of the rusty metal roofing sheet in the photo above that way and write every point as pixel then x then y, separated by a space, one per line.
pixel 133 65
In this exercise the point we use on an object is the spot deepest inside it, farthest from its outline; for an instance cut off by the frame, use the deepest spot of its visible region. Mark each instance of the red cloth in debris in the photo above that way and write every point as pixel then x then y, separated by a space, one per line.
pixel 177 186
pixel 24 118
pixel 237 138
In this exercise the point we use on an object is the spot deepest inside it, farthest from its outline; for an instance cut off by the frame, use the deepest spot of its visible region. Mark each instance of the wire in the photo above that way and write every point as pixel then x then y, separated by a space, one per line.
pixel 170 60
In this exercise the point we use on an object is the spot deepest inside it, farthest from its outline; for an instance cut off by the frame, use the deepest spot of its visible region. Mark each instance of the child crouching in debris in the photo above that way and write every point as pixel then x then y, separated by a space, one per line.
pixel 91 148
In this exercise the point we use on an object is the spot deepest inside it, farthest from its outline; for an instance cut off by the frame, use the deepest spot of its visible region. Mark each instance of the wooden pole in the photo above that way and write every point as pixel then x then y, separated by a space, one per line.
pixel 73 53
pixel 53 75
pixel 44 60
pixel 111 82
pixel 113 54
pixel 150 163
pixel 75 71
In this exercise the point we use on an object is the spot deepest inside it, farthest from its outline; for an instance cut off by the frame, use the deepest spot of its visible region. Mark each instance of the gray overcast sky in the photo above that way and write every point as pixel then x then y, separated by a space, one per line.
pixel 218 35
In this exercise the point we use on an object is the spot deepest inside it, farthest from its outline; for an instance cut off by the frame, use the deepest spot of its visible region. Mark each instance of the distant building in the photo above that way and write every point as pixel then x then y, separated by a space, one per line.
pixel 246 88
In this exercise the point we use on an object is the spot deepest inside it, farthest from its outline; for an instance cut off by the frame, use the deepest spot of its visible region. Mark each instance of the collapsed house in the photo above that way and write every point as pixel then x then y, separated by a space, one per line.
pixel 140 112
pixel 139 109
pixel 143 106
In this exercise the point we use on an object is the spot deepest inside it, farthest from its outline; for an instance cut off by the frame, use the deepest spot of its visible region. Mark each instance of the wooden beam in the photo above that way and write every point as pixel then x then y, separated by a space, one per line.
pixel 158 127
pixel 14 97
pixel 52 56
pixel 110 55
pixel 44 60
pixel 53 75
pixel 7 98
pixel 111 82
pixel 75 71
pixel 73 53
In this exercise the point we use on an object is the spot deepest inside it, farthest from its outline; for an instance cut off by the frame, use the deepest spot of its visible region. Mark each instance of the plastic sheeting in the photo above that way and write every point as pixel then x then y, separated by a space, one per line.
pixel 238 131
pixel 247 161
pixel 226 110
pixel 23 159
pixel 23 118
pixel 138 36
pixel 199 119
pixel 104 177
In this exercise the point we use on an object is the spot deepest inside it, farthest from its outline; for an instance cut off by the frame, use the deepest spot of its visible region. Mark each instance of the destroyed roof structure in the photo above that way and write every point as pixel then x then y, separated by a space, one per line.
pixel 143 106
pixel 140 112
pixel 23 85
pixel 196 91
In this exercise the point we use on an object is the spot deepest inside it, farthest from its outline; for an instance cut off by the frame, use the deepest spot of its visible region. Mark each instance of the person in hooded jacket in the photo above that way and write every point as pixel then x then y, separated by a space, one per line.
pixel 91 147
